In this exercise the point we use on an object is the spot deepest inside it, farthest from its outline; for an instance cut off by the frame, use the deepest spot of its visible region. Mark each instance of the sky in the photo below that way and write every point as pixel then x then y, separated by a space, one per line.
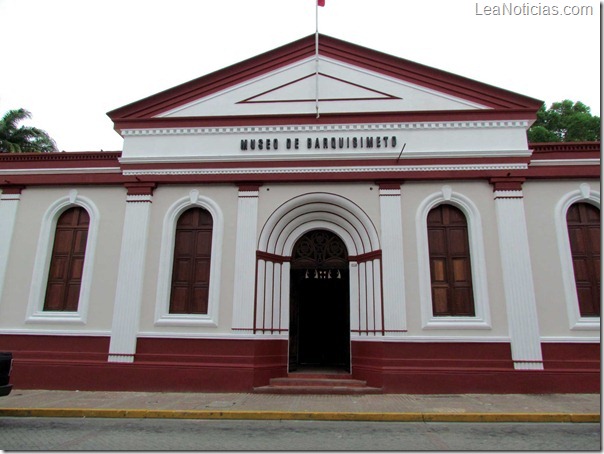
pixel 69 62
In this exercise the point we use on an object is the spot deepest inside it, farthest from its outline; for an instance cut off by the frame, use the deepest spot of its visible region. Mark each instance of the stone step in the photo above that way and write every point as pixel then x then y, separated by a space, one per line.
pixel 337 375
pixel 302 383
pixel 317 390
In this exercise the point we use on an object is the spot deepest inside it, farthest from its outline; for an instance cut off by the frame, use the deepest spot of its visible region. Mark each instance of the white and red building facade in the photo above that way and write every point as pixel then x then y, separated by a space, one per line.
pixel 356 212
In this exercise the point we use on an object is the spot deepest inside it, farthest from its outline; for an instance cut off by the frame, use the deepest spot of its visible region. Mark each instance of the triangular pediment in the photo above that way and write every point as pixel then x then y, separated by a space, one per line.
pixel 293 84
pixel 336 88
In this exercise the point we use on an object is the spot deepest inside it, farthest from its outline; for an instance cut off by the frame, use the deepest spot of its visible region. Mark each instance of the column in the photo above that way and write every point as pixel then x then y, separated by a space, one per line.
pixel 131 273
pixel 517 274
pixel 245 259
pixel 392 259
pixel 9 202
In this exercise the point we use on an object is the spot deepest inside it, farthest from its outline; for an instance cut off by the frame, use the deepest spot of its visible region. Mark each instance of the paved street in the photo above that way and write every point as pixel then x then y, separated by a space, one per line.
pixel 67 434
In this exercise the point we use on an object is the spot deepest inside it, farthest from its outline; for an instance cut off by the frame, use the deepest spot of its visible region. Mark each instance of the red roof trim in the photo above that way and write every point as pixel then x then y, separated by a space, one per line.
pixel 566 150
pixel 425 75
pixel 60 160
pixel 549 147
pixel 61 156
pixel 117 179
pixel 399 68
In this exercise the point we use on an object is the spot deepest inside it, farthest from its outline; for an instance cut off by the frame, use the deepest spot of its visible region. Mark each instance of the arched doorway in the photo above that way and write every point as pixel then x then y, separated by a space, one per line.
pixel 319 334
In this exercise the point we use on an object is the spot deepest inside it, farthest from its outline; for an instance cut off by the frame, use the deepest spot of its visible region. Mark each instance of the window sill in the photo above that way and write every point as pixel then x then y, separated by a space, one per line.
pixel 456 323
pixel 56 317
pixel 186 320
pixel 587 324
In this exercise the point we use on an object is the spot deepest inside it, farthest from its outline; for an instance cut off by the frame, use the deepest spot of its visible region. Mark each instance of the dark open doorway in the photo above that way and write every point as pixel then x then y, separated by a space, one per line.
pixel 319 336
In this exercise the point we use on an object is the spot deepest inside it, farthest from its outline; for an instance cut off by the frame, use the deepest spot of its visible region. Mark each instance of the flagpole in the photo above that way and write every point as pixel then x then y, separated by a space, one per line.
pixel 317 57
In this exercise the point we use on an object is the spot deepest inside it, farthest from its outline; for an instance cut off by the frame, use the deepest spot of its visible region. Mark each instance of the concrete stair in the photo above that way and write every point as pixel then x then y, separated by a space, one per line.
pixel 304 383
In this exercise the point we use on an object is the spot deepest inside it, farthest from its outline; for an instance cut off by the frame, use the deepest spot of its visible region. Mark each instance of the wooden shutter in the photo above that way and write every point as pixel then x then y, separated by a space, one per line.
pixel 67 261
pixel 583 220
pixel 450 266
pixel 191 265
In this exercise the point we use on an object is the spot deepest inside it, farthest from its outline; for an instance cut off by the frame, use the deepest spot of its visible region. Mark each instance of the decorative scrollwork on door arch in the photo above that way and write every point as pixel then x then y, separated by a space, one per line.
pixel 319 250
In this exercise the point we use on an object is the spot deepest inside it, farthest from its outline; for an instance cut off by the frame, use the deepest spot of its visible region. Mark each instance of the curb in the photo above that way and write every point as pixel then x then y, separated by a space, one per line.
pixel 301 415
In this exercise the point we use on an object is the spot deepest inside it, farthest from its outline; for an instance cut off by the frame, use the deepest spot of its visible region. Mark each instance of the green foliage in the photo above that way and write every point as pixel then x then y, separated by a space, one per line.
pixel 565 122
pixel 23 139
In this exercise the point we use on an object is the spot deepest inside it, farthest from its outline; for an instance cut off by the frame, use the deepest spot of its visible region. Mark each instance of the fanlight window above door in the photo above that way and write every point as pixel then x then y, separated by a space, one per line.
pixel 322 253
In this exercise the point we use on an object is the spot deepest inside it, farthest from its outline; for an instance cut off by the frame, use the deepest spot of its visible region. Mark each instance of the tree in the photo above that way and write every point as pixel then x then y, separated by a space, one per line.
pixel 23 139
pixel 565 122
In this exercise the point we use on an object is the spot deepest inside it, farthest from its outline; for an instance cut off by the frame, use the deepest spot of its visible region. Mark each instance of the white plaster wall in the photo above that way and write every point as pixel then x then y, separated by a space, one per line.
pixel 225 196
pixel 540 198
pixel 481 194
pixel 34 202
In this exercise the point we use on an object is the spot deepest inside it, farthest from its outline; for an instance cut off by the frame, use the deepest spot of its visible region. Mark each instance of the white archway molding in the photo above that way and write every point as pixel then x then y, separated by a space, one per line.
pixel 583 194
pixel 284 227
pixel 482 319
pixel 317 206
pixel 35 307
pixel 164 277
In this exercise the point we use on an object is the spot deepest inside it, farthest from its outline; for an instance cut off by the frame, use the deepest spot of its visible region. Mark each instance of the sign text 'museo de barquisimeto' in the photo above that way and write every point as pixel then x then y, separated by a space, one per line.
pixel 318 143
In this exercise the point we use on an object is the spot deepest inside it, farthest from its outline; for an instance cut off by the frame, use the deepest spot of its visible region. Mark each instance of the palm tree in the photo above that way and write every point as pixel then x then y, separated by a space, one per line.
pixel 23 139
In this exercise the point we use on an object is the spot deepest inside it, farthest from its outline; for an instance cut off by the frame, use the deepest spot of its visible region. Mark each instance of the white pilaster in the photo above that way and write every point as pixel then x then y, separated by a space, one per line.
pixel 378 306
pixel 260 297
pixel 363 297
pixel 9 202
pixel 518 280
pixel 371 301
pixel 285 288
pixel 269 297
pixel 355 297
pixel 245 261
pixel 392 261
pixel 131 271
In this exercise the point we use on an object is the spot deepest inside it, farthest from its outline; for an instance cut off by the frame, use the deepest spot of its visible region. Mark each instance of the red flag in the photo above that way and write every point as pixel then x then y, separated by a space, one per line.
pixel 321 2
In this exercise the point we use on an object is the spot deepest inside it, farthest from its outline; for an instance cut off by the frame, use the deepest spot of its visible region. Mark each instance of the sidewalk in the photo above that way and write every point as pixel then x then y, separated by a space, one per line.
pixel 380 407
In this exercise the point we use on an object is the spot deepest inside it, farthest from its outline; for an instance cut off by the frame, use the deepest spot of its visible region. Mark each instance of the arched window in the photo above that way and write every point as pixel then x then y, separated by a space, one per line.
pixel 191 264
pixel 67 261
pixel 583 221
pixel 450 266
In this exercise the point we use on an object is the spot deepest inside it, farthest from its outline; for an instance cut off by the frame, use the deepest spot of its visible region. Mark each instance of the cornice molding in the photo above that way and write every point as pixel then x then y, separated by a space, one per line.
pixel 335 169
pixel 564 162
pixel 428 125
pixel 60 170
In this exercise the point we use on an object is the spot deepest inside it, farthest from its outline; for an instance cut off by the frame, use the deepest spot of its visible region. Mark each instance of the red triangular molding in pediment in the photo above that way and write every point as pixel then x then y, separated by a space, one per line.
pixel 501 104
pixel 369 93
